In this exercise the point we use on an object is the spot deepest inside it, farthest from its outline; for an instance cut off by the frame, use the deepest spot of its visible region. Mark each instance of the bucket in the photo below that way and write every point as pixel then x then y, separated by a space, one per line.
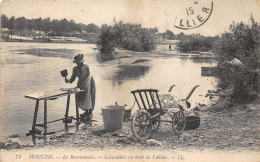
pixel 192 122
pixel 113 117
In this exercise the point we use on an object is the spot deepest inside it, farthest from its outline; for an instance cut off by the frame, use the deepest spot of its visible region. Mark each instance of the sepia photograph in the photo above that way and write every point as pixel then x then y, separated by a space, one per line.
pixel 129 80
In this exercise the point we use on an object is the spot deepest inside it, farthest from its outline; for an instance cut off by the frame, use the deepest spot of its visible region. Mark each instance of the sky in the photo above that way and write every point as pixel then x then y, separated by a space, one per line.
pixel 148 13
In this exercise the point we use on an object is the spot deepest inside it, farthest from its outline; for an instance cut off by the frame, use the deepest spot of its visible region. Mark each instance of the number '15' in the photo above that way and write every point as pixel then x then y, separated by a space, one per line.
pixel 189 11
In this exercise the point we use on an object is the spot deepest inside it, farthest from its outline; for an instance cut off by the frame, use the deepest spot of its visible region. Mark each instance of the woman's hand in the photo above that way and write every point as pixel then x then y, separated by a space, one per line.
pixel 67 80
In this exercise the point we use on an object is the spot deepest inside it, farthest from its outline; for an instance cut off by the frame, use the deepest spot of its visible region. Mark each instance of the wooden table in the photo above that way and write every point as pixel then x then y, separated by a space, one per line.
pixel 51 95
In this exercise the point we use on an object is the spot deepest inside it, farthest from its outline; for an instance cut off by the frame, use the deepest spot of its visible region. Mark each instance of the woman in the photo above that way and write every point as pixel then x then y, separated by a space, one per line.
pixel 86 99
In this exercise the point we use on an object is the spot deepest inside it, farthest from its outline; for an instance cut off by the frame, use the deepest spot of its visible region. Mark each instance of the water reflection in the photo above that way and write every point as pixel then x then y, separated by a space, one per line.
pixel 101 58
pixel 67 129
pixel 129 72
pixel 197 59
pixel 46 52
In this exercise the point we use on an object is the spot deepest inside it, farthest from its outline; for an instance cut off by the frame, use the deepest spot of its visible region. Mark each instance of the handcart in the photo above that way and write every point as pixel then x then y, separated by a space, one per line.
pixel 148 117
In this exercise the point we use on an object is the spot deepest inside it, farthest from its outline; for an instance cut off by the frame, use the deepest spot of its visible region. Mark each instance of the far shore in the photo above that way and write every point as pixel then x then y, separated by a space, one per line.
pixel 158 52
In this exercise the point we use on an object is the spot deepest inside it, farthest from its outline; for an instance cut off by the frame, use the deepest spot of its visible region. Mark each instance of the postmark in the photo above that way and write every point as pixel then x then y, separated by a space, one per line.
pixel 194 15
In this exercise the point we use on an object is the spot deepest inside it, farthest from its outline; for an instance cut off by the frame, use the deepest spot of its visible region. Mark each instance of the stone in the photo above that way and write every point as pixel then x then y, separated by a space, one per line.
pixel 28 145
pixel 132 138
pixel 123 141
pixel 10 143
pixel 53 136
pixel 53 141
pixel 2 144
pixel 201 104
pixel 153 142
pixel 235 137
pixel 115 134
pixel 196 109
pixel 211 91
pixel 186 137
pixel 250 141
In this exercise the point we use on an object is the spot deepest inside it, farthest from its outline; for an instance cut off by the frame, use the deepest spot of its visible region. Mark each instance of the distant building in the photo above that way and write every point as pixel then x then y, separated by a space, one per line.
pixel 5 33
pixel 38 33
pixel 90 37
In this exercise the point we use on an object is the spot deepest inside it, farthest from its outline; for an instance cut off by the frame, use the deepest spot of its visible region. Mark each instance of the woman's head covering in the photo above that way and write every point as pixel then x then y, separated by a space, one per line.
pixel 78 58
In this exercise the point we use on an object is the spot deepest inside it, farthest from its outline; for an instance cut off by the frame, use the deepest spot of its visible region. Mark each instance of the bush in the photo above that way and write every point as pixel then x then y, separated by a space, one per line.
pixel 128 36
pixel 105 42
pixel 196 43
pixel 243 43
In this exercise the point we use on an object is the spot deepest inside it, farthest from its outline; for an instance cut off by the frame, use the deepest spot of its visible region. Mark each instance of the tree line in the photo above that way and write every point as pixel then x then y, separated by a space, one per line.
pixel 56 27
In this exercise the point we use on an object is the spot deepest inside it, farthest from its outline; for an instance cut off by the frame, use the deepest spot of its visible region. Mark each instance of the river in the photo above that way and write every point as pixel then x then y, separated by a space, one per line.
pixel 32 67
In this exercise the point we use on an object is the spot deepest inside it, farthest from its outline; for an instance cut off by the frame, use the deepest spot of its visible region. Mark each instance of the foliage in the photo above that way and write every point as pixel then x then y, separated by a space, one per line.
pixel 168 34
pixel 128 36
pixel 105 42
pixel 56 27
pixel 243 43
pixel 195 43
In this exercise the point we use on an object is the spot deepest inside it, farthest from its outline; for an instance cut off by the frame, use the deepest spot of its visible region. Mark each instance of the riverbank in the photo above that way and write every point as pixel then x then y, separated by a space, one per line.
pixel 160 51
pixel 73 40
pixel 234 128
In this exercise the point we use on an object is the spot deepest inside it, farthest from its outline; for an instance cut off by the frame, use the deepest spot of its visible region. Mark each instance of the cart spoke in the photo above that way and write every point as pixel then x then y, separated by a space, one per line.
pixel 138 130
pixel 146 129
pixel 136 120
pixel 138 117
pixel 142 132
pixel 145 119
pixel 142 116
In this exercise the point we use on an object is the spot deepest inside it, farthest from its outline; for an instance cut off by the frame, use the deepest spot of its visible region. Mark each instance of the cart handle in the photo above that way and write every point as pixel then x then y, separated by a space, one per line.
pixel 193 89
pixel 170 89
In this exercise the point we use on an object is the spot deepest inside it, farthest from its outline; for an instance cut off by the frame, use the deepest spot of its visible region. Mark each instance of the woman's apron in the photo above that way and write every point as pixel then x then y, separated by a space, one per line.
pixel 86 99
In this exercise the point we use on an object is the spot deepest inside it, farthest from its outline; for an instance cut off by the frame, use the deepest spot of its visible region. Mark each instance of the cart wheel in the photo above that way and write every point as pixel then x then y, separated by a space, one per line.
pixel 141 125
pixel 178 122
pixel 156 123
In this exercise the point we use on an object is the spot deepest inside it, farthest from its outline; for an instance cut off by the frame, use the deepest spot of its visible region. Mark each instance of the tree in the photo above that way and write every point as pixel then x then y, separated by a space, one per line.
pixel 242 43
pixel 181 35
pixel 4 21
pixel 46 25
pixel 105 42
pixel 20 24
pixel 154 30
pixel 169 34
pixel 39 24
pixel 92 28
pixel 128 36
pixel 72 26
pixel 11 25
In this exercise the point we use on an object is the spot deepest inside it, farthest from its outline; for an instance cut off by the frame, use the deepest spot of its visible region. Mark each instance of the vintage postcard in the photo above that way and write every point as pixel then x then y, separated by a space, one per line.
pixel 129 80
